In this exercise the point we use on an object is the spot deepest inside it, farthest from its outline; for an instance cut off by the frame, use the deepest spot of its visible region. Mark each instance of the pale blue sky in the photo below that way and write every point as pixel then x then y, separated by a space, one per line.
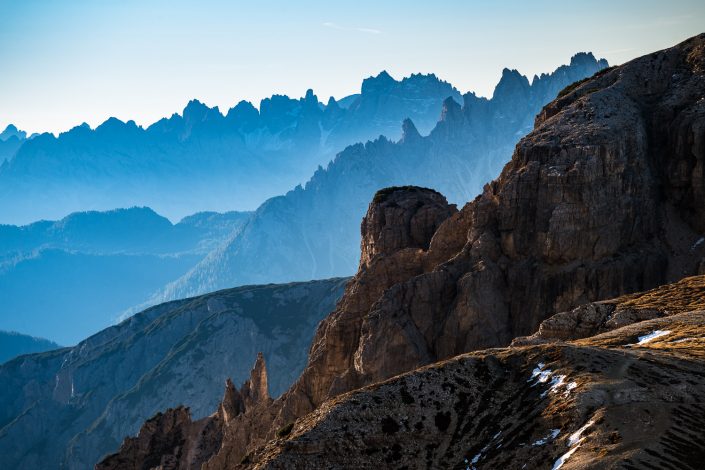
pixel 63 62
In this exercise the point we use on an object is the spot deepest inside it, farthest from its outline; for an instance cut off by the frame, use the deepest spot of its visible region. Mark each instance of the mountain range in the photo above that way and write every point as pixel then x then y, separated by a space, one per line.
pixel 203 159
pixel 87 397
pixel 556 320
pixel 70 278
pixel 312 231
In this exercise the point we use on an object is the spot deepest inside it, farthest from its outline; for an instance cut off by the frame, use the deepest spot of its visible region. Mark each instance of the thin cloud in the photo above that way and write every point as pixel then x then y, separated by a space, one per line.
pixel 331 25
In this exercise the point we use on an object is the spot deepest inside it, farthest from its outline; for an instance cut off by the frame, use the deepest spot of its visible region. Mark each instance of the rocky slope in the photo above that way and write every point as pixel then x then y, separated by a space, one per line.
pixel 88 397
pixel 601 199
pixel 312 231
pixel 615 400
pixel 73 277
pixel 13 344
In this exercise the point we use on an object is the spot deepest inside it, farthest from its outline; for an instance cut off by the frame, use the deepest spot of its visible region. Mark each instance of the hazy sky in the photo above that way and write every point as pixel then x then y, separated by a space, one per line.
pixel 64 62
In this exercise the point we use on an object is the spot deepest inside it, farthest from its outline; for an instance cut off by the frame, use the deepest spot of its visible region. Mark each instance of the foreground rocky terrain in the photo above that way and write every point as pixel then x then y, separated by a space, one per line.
pixel 89 396
pixel 627 398
pixel 603 198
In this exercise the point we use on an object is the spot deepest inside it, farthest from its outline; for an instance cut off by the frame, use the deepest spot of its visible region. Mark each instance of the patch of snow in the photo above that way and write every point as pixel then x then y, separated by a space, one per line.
pixel 683 340
pixel 542 375
pixel 574 441
pixel 563 458
pixel 539 374
pixel 557 382
pixel 551 436
pixel 652 336
pixel 575 437
pixel 697 243
pixel 478 456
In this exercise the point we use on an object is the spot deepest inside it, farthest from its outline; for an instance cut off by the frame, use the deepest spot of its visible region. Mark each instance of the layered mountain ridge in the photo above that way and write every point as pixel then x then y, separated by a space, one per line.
pixel 312 231
pixel 601 199
pixel 70 278
pixel 89 396
pixel 203 159
pixel 13 344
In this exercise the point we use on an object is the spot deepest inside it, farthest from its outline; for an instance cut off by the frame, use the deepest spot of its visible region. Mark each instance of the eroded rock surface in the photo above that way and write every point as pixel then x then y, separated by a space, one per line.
pixel 602 199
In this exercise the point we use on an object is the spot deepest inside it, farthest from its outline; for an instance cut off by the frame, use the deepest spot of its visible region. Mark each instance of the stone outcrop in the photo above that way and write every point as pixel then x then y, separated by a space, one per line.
pixel 602 199
pixel 171 440
pixel 312 232
pixel 686 295
pixel 603 402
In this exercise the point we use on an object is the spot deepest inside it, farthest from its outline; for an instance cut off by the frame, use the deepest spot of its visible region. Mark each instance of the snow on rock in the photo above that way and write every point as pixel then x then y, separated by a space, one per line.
pixel 652 336
pixel 542 375
pixel 574 441
pixel 563 458
pixel 551 435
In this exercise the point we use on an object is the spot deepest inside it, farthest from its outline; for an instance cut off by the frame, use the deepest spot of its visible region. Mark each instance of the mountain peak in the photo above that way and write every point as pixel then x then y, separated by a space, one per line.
pixel 511 83
pixel 409 133
pixel 381 82
pixel 195 110
pixel 451 110
pixel 582 58
pixel 10 131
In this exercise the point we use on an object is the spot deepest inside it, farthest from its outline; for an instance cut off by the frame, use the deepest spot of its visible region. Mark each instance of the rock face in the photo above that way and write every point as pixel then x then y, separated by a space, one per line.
pixel 311 232
pixel 89 397
pixel 601 402
pixel 599 200
pixel 173 441
pixel 686 295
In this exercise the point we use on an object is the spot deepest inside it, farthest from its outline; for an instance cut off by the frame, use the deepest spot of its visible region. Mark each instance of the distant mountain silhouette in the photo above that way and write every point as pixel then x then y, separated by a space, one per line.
pixel 203 159
pixel 67 279
pixel 312 232
pixel 13 344
pixel 10 140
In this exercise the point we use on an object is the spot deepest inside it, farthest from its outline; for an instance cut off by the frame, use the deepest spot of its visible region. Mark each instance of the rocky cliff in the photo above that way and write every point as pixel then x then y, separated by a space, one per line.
pixel 92 395
pixel 602 198
pixel 312 231
pixel 628 398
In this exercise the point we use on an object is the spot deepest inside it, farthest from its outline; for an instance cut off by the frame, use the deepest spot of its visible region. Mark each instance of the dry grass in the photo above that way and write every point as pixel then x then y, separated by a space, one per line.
pixel 686 295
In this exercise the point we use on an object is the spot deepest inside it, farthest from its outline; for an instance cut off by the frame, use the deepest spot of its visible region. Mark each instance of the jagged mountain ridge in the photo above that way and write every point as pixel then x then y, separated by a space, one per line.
pixel 600 199
pixel 204 159
pixel 312 231
pixel 89 396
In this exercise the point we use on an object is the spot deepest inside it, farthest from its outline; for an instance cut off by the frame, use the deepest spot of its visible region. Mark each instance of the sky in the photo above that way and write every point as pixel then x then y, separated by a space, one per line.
pixel 67 62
